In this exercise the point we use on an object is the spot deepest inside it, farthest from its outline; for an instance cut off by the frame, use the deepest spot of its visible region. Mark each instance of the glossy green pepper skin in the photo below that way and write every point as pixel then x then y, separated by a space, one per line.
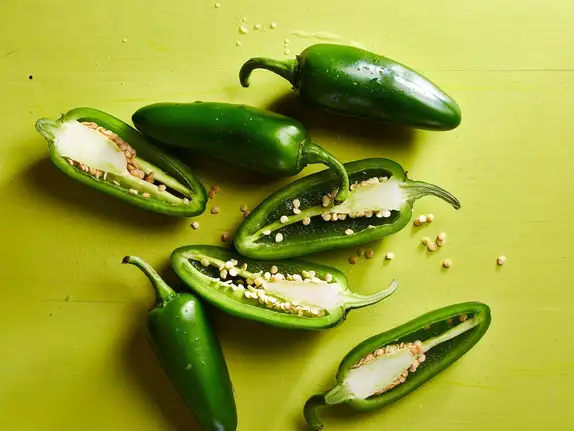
pixel 206 281
pixel 256 236
pixel 355 82
pixel 176 174
pixel 188 350
pixel 252 138
pixel 441 354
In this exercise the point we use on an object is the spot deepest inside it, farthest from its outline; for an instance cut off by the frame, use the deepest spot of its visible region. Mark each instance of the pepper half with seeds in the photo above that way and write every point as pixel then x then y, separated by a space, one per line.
pixel 288 294
pixel 107 154
pixel 252 138
pixel 352 81
pixel 302 218
pixel 386 367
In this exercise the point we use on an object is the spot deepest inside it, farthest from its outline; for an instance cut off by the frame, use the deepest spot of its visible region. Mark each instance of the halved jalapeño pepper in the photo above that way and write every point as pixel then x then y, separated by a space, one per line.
pixel 386 367
pixel 287 294
pixel 107 154
pixel 302 217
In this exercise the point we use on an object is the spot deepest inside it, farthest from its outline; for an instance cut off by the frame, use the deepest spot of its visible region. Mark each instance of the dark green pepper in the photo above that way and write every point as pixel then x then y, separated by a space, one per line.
pixel 252 138
pixel 301 218
pixel 286 294
pixel 190 353
pixel 354 82
pixel 105 153
pixel 389 366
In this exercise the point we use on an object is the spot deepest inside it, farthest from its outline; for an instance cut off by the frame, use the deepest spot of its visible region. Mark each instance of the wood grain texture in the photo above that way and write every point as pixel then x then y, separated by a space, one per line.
pixel 83 363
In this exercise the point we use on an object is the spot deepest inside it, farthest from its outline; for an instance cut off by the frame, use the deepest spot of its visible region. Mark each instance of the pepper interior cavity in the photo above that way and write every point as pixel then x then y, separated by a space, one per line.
pixel 107 157
pixel 306 294
pixel 391 365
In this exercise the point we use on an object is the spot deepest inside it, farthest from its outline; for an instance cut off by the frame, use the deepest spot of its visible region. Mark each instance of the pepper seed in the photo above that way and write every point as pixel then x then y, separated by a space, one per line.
pixel 296 211
pixel 306 221
pixel 369 254
pixel 326 216
pixel 267 232
pixel 133 191
pixel 246 214
pixel 447 263
pixel 274 269
pixel 349 231
pixel 352 260
pixel 441 236
pixel 161 188
pixel 501 260
pixel 279 237
pixel 326 200
pixel 426 241
pixel 386 213
pixel 284 219
pixel 296 203
pixel 243 208
pixel 430 218
pixel 145 195
pixel 215 210
pixel 360 252
pixel 211 194
pixel 224 236
pixel 215 188
pixel 390 255
pixel 328 278
pixel 432 246
pixel 205 262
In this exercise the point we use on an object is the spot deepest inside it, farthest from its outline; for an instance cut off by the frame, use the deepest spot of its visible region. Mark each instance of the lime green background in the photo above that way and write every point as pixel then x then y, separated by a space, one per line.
pixel 84 363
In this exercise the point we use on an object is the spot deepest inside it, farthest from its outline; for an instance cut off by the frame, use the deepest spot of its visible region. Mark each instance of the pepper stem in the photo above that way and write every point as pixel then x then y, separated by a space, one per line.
pixel 418 189
pixel 310 411
pixel 359 301
pixel 163 292
pixel 316 154
pixel 286 69
pixel 46 127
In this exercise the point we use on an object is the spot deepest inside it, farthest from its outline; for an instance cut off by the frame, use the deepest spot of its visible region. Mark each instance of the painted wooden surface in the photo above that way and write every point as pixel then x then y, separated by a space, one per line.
pixel 72 351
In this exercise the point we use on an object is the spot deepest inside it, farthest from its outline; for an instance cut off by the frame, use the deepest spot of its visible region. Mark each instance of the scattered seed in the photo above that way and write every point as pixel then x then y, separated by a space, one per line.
pixel 238 43
pixel 462 317
pixel 243 208
pixel 195 225
pixel 115 182
pixel 243 29
pixel 447 263
pixel 441 236
pixel 211 194
pixel 273 25
pixel 386 213
pixel 426 241
pixel 134 191
pixel 223 274
pixel 334 217
pixel 430 218
pixel 360 252
pixel 369 254
pixel 279 237
pixel 326 200
pixel 501 260
pixel 328 278
pixel 161 188
pixel 432 246
pixel 217 4
pixel 145 195
pixel 216 188
pixel 224 236
pixel 205 262
pixel 267 232
pixel 284 219
pixel 306 221
pixel 296 211
pixel 423 219
pixel 246 214
pixel 257 26
pixel 440 242
pixel 349 231
pixel 390 255
pixel 233 272
pixel 352 260
pixel 215 210
pixel 296 203
pixel 274 269
pixel 287 51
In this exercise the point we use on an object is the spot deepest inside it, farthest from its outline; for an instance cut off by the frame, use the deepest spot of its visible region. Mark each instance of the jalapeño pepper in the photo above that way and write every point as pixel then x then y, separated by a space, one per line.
pixel 252 138
pixel 355 82
pixel 105 153
pixel 188 350
pixel 302 218
pixel 287 294
pixel 386 367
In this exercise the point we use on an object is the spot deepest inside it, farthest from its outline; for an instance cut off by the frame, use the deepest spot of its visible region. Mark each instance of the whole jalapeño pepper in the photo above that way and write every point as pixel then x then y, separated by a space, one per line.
pixel 252 138
pixel 188 350
pixel 104 153
pixel 290 294
pixel 388 366
pixel 355 82
pixel 302 218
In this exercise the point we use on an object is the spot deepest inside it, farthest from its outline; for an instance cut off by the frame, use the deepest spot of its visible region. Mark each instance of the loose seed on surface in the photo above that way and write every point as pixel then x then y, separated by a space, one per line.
pixel 360 252
pixel 426 241
pixel 215 210
pixel 430 218
pixel 211 194
pixel 369 254
pixel 440 242
pixel 447 263
pixel 215 188
pixel 243 208
pixel 352 260
pixel 246 214
pixel 224 236
pixel 441 236
pixel 501 260
pixel 432 246
pixel 390 255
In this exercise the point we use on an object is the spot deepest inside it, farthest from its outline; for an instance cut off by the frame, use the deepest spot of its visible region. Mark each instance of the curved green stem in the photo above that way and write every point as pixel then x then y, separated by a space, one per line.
pixel 310 411
pixel 316 154
pixel 418 189
pixel 358 301
pixel 163 292
pixel 285 69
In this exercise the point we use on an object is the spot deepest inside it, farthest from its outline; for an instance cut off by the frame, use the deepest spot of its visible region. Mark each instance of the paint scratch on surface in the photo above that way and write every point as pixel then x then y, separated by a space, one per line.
pixel 11 52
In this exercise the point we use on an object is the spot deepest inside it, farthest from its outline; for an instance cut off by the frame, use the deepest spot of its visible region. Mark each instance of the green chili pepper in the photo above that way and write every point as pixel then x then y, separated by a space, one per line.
pixel 354 82
pixel 301 218
pixel 245 136
pixel 389 366
pixel 188 350
pixel 105 153
pixel 287 294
